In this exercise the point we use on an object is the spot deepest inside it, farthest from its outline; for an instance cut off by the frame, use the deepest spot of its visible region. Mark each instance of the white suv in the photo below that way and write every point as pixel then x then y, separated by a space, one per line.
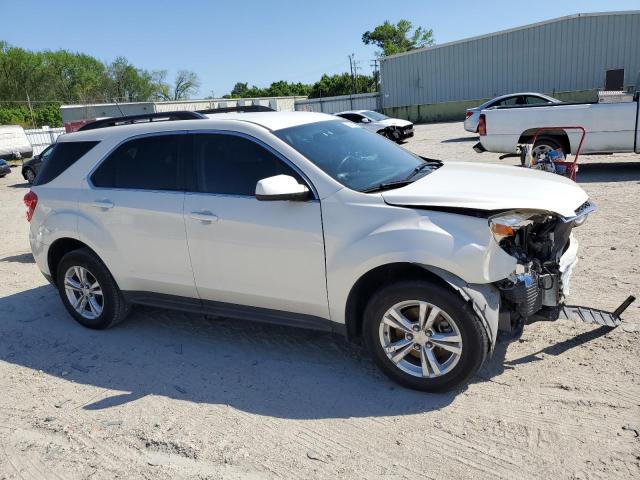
pixel 307 220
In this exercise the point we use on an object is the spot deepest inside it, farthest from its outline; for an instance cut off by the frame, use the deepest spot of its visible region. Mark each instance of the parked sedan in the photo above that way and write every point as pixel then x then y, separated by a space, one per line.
pixel 393 128
pixel 31 167
pixel 5 169
pixel 473 114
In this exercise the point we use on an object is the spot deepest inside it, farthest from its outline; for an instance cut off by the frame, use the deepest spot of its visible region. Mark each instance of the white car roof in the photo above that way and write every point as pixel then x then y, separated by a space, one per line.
pixel 274 120
pixel 352 111
pixel 534 94
pixel 269 120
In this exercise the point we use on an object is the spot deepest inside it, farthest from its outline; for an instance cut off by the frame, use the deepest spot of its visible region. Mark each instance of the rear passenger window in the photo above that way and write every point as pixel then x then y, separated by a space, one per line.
pixel 233 165
pixel 61 157
pixel 149 163
pixel 536 100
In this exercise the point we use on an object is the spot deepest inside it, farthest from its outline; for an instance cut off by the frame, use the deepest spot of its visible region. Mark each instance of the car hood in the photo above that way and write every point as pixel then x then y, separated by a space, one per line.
pixel 490 187
pixel 395 122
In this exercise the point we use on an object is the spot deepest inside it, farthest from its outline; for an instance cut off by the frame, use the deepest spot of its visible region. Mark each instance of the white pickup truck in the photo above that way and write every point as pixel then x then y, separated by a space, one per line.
pixel 610 127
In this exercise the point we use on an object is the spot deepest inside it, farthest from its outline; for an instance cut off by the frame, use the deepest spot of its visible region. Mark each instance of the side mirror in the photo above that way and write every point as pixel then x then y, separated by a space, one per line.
pixel 36 157
pixel 365 120
pixel 281 187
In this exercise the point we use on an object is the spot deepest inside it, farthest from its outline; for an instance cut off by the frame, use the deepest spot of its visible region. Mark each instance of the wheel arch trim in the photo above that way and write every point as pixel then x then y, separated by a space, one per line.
pixel 483 298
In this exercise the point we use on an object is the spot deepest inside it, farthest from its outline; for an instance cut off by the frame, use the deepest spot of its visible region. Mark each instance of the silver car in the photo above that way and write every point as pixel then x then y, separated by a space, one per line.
pixel 527 98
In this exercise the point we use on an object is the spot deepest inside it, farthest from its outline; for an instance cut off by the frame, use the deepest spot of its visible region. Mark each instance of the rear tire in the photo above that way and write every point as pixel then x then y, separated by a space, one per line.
pixel 83 279
pixel 437 354
pixel 29 175
pixel 545 144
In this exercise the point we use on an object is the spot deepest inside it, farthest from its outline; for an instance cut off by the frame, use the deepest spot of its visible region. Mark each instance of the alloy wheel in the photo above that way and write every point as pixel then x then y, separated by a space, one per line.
pixel 420 339
pixel 84 292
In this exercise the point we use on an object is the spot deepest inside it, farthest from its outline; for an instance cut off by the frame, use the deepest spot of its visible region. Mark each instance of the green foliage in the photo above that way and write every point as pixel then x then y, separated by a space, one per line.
pixel 15 116
pixel 327 86
pixel 281 88
pixel 341 84
pixel 48 114
pixel 398 38
pixel 50 78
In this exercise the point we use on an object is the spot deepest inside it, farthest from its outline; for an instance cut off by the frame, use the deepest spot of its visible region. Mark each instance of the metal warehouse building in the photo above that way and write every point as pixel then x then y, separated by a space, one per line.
pixel 569 57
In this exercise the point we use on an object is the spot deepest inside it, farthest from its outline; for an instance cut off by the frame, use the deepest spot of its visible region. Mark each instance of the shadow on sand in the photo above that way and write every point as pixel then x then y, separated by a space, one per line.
pixel 608 172
pixel 262 369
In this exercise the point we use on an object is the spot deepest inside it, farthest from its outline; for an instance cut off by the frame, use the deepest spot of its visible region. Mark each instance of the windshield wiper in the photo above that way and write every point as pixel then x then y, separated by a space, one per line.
pixel 386 186
pixel 419 168
pixel 404 182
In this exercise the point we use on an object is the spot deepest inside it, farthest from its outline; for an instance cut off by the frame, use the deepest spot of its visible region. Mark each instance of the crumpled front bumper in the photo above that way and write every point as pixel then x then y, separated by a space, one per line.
pixel 529 292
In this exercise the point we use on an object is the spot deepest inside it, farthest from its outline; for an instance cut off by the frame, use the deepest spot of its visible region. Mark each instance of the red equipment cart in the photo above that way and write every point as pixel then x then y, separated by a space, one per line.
pixel 569 168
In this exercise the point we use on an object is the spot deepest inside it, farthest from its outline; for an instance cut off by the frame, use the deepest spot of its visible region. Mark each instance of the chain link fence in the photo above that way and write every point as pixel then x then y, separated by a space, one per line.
pixel 41 138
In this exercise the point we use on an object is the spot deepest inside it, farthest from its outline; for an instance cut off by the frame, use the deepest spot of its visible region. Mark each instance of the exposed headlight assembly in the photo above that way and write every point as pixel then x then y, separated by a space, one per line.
pixel 507 224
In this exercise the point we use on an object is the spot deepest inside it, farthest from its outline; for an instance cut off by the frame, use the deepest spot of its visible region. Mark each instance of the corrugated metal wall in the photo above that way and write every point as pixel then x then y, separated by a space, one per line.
pixel 568 54
pixel 361 101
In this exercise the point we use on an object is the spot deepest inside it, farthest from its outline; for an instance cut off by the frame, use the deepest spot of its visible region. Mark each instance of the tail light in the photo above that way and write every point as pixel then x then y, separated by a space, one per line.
pixel 468 115
pixel 482 126
pixel 30 200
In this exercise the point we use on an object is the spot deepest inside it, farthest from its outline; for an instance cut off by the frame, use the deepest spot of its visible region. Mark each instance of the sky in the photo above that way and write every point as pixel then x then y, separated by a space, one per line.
pixel 253 41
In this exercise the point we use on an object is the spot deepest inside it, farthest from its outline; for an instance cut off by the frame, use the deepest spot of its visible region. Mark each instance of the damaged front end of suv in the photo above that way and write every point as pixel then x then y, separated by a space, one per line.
pixel 546 253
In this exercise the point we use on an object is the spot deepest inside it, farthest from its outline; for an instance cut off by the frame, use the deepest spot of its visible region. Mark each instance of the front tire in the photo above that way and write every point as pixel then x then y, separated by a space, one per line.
pixel 88 291
pixel 424 336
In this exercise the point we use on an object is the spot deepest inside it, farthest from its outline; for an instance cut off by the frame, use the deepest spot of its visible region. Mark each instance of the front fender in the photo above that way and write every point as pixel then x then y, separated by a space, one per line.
pixel 460 245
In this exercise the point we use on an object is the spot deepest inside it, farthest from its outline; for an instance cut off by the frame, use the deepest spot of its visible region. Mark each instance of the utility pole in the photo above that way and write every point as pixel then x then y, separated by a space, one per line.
pixel 33 120
pixel 351 70
pixel 376 73
pixel 355 74
pixel 351 61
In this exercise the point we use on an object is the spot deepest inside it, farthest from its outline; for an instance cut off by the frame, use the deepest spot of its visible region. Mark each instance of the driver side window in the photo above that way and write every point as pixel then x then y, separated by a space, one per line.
pixel 233 165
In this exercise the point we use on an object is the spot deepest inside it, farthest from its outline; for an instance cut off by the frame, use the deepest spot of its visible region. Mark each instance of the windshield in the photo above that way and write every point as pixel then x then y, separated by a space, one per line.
pixel 375 116
pixel 355 157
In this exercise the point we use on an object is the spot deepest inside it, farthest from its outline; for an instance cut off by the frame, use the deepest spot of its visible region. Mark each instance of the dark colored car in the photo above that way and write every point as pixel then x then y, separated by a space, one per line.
pixel 31 167
pixel 5 169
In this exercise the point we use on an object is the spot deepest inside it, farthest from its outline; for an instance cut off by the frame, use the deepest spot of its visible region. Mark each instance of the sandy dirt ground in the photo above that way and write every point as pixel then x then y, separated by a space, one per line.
pixel 170 395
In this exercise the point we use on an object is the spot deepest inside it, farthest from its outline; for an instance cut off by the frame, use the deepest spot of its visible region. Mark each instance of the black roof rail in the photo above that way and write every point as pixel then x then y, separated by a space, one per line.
pixel 239 109
pixel 145 118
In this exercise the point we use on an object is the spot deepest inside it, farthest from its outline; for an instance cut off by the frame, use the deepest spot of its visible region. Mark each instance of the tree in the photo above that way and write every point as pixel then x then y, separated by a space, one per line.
pixel 186 84
pixel 341 84
pixel 126 83
pixel 74 77
pixel 239 90
pixel 398 38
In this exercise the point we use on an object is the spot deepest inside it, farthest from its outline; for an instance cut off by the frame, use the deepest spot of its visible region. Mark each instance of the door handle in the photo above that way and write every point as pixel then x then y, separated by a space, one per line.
pixel 204 216
pixel 104 204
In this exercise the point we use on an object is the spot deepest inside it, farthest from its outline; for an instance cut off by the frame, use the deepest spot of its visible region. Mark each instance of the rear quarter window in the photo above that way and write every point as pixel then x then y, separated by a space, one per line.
pixel 62 156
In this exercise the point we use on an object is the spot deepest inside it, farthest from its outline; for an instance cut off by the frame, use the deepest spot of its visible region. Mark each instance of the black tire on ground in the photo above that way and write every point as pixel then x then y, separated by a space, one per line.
pixel 115 308
pixel 475 343
pixel 29 175
pixel 545 143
